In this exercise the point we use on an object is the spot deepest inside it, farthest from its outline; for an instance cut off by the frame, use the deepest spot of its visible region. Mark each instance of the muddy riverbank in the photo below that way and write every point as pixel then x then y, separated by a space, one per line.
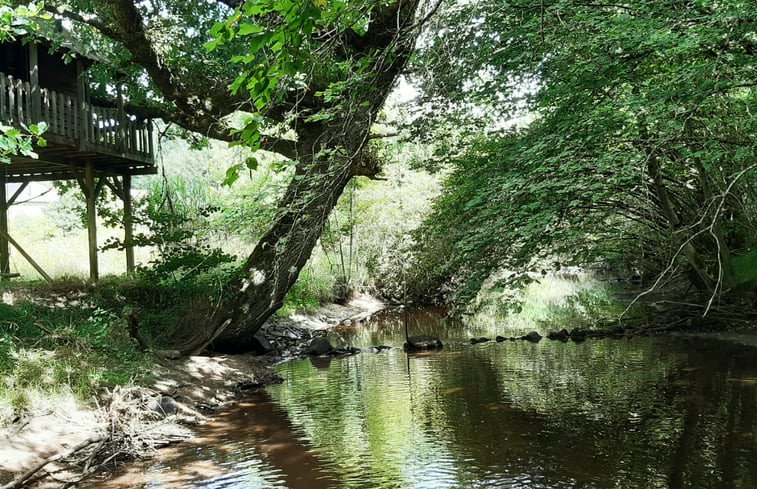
pixel 186 392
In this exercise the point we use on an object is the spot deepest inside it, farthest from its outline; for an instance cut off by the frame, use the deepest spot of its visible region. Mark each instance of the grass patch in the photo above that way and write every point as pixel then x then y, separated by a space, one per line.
pixel 71 339
pixel 47 351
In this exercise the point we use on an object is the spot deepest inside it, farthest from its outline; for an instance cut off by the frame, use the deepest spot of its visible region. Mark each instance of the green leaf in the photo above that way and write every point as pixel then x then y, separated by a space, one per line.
pixel 232 175
pixel 247 29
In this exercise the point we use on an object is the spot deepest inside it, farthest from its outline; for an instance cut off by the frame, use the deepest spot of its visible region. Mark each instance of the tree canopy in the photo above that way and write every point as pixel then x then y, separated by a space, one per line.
pixel 641 149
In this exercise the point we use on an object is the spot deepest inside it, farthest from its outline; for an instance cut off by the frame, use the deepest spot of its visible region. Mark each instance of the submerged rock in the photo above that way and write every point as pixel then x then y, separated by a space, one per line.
pixel 500 339
pixel 422 342
pixel 561 335
pixel 578 335
pixel 320 363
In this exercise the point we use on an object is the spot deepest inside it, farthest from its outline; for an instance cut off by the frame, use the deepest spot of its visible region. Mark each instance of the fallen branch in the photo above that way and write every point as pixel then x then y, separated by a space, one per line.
pixel 87 472
pixel 21 480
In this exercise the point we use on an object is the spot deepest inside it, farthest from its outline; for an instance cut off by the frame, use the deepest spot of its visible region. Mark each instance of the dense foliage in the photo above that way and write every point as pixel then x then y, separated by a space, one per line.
pixel 641 149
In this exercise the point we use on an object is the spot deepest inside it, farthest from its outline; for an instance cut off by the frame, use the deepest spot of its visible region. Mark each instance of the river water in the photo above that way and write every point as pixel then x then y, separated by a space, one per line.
pixel 639 413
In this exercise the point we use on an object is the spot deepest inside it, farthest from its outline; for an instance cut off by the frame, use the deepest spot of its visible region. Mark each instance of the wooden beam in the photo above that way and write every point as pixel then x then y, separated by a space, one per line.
pixel 33 263
pixel 36 94
pixel 99 186
pixel 91 195
pixel 128 224
pixel 4 250
pixel 115 187
pixel 15 195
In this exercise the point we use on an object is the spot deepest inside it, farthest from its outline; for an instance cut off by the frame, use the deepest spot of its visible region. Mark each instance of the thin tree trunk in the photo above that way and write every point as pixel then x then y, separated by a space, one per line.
pixel 702 278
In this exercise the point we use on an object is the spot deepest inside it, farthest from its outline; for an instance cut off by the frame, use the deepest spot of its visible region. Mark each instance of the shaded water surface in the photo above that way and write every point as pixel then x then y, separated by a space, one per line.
pixel 646 413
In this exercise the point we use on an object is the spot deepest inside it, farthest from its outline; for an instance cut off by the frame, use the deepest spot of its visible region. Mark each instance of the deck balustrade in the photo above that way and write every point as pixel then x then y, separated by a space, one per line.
pixel 73 122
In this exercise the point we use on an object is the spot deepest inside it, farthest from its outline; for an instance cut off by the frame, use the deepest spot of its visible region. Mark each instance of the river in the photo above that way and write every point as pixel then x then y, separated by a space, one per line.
pixel 629 413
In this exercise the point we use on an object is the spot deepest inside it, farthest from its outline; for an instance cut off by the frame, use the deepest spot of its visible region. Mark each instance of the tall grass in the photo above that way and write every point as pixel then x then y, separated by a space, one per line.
pixel 63 254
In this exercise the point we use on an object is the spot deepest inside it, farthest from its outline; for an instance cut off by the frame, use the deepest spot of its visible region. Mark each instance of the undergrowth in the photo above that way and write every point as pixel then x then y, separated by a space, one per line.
pixel 314 286
pixel 67 338
pixel 554 302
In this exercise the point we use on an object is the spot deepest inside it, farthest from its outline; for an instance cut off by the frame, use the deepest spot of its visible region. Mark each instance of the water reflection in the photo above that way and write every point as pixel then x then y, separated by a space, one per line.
pixel 647 413
pixel 251 445
pixel 609 413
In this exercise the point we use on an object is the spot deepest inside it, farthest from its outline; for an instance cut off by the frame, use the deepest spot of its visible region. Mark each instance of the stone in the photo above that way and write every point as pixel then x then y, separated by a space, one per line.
pixel 320 363
pixel 473 341
pixel 422 342
pixel 561 335
pixel 260 344
pixel 320 346
pixel 163 405
pixel 500 339
pixel 578 335
pixel 533 337
pixel 168 354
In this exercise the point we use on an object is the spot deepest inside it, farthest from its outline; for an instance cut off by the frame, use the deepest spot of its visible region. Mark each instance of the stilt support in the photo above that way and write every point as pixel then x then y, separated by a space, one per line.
pixel 4 236
pixel 5 267
pixel 128 224
pixel 91 190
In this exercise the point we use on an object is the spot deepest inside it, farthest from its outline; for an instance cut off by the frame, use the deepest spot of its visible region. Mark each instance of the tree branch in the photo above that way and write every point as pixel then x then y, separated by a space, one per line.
pixel 68 14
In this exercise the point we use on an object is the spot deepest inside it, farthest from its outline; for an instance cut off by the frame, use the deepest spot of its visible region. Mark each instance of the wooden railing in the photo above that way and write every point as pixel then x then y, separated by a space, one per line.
pixel 104 129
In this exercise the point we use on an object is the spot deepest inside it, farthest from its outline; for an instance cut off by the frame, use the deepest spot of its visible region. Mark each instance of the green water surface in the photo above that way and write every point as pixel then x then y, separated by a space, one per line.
pixel 639 413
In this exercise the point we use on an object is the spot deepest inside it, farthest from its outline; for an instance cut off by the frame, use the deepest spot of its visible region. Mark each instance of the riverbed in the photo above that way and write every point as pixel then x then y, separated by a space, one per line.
pixel 612 413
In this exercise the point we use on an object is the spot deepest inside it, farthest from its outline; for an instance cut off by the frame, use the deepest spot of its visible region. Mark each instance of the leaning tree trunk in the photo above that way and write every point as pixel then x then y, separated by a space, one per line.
pixel 275 263
pixel 331 153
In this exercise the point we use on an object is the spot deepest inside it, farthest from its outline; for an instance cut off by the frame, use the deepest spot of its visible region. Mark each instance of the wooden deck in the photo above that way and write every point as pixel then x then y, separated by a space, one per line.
pixel 113 141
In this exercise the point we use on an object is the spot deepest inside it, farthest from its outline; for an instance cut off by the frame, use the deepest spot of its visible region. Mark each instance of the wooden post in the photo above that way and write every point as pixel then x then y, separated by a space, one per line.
pixel 4 250
pixel 35 93
pixel 128 224
pixel 90 192
pixel 150 150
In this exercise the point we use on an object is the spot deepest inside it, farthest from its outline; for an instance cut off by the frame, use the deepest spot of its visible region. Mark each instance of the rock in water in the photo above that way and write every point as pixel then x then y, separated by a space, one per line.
pixel 561 335
pixel 320 346
pixel 533 337
pixel 478 340
pixel 422 342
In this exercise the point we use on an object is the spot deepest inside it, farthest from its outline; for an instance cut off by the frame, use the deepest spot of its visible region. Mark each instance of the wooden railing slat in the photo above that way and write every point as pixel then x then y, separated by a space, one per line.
pixel 54 104
pixel 3 107
pixel 26 90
